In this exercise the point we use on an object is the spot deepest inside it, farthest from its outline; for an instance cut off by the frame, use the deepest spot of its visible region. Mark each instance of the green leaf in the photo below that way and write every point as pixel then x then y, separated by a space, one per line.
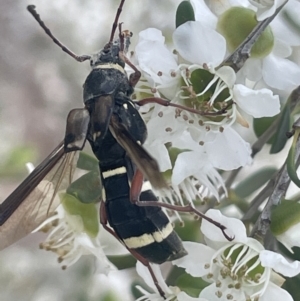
pixel 123 261
pixel 260 125
pixel 254 181
pixel 87 213
pixel 16 161
pixel 284 125
pixel 292 286
pixel 87 189
pixel 87 162
pixel 236 23
pixel 191 285
pixel 190 231
pixel 109 296
pixel 290 161
pixel 284 216
pixel 184 13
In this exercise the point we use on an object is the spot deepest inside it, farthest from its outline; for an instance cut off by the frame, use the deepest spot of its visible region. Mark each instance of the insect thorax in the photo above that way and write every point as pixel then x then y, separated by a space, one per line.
pixel 109 54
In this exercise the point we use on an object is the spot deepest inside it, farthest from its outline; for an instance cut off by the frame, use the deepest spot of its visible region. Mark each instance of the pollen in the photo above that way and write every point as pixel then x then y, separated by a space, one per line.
pixel 173 74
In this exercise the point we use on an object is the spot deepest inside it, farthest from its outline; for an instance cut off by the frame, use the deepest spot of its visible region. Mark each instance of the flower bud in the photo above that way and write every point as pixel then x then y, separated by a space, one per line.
pixel 235 25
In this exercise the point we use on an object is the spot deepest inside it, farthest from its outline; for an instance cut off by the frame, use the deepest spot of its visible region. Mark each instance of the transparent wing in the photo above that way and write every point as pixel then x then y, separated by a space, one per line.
pixel 144 162
pixel 35 199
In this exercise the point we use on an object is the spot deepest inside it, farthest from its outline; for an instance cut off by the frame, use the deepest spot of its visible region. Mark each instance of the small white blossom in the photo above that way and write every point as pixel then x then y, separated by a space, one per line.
pixel 274 69
pixel 207 144
pixel 70 240
pixel 238 270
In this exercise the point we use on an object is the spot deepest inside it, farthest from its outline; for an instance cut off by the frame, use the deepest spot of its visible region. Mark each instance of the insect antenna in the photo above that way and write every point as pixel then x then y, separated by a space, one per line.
pixel 124 37
pixel 78 58
pixel 115 24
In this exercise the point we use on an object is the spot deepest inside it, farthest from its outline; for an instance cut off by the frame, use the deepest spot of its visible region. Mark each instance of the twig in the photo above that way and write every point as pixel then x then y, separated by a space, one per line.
pixel 281 185
pixel 238 58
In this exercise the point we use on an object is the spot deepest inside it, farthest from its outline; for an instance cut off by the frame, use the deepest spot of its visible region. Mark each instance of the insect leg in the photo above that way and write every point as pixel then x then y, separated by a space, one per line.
pixel 136 75
pixel 104 222
pixel 135 190
pixel 146 263
pixel 167 103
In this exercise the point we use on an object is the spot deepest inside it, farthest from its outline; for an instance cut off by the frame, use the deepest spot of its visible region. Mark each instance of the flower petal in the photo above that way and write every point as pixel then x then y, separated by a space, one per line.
pixel 280 73
pixel 145 274
pixel 252 69
pixel 282 27
pixel 228 150
pixel 188 164
pixel 227 74
pixel 194 262
pixel 234 227
pixel 275 293
pixel 155 59
pixel 266 9
pixel 204 14
pixel 199 44
pixel 110 245
pixel 279 264
pixel 257 103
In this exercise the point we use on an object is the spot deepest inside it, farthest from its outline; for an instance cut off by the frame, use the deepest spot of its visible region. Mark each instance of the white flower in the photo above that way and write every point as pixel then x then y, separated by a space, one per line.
pixel 171 293
pixel 266 8
pixel 75 231
pixel 273 69
pixel 116 285
pixel 238 270
pixel 208 144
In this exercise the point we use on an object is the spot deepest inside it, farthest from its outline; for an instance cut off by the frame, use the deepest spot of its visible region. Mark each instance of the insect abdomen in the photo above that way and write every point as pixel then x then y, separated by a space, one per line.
pixel 147 230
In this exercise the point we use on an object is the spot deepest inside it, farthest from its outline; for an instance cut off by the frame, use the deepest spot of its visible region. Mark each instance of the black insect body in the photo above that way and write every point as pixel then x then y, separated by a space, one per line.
pixel 146 230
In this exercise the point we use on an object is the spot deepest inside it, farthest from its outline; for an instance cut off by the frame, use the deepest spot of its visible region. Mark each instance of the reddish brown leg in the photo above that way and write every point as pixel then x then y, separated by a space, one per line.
pixel 136 186
pixel 135 191
pixel 167 103
pixel 136 75
pixel 146 263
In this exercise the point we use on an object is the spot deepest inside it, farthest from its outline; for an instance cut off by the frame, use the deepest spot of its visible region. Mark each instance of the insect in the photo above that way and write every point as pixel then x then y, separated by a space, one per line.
pixel 110 122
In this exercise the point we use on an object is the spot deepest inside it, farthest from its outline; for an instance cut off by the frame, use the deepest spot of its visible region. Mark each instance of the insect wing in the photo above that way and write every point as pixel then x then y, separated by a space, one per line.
pixel 144 162
pixel 36 199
